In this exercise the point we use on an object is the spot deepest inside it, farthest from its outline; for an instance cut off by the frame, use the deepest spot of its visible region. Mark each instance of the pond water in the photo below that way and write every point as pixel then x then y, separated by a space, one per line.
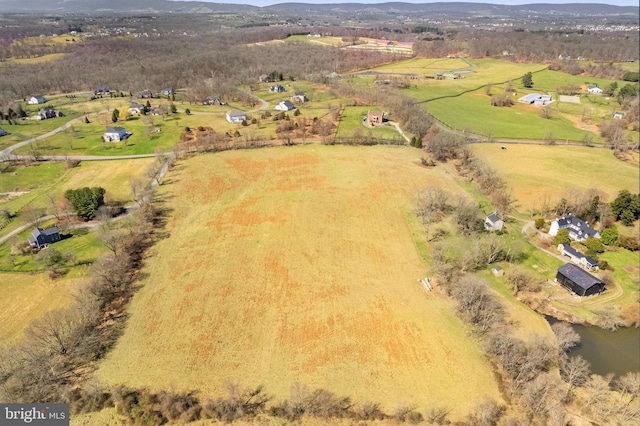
pixel 616 352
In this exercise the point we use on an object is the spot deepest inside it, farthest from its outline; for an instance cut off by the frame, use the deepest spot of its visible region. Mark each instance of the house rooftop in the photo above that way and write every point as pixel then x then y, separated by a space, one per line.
pixel 579 276
pixel 573 252
pixel 493 217
pixel 531 97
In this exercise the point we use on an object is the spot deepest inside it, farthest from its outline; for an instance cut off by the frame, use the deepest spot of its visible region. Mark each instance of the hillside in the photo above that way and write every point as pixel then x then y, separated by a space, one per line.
pixel 297 265
pixel 453 9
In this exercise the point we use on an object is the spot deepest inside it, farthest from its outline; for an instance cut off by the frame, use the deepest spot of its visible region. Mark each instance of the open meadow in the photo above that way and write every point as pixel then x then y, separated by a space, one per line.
pixel 26 297
pixel 539 174
pixel 297 264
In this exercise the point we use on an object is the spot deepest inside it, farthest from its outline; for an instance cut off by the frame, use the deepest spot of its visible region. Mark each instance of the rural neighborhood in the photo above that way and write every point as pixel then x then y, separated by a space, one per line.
pixel 312 214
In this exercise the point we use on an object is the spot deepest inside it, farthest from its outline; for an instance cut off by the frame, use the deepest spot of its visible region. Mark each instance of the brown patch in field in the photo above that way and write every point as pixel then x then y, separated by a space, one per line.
pixel 248 169
pixel 7 196
pixel 632 268
pixel 579 124
pixel 244 215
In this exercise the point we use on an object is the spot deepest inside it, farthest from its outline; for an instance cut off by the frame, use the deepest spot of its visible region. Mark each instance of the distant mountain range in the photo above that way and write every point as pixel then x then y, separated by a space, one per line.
pixel 97 7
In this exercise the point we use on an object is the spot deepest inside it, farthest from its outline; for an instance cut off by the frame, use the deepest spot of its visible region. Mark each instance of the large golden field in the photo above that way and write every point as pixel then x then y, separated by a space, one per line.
pixel 545 173
pixel 296 264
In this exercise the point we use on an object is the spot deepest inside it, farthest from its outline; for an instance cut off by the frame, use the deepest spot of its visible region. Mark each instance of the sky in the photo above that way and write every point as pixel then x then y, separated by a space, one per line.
pixel 506 2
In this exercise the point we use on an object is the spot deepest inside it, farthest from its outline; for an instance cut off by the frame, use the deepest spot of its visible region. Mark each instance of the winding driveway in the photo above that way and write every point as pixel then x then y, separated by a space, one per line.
pixel 617 291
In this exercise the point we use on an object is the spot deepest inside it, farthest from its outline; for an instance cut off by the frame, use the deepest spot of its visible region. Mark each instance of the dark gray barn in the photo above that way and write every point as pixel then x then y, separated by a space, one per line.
pixel 579 281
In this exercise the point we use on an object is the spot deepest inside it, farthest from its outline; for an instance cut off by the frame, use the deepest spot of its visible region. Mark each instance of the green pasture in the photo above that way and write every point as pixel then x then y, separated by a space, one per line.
pixel 484 71
pixel 422 66
pixel 629 66
pixel 626 267
pixel 26 129
pixel 86 138
pixel 79 242
pixel 34 184
pixel 548 81
pixel 28 178
pixel 473 112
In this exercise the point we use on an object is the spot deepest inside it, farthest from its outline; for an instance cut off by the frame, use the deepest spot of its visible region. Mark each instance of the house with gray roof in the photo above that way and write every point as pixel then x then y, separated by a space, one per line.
pixel 41 238
pixel 581 259
pixel 277 89
pixel 115 134
pixel 579 281
pixel 3 132
pixel 299 97
pixel 594 90
pixel 45 113
pixel 234 116
pixel 285 106
pixel 37 100
pixel 493 223
pixel 579 230
pixel 536 99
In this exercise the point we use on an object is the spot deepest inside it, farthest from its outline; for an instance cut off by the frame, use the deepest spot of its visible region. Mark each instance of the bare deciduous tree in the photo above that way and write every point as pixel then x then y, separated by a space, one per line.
pixel 574 370
pixel 32 215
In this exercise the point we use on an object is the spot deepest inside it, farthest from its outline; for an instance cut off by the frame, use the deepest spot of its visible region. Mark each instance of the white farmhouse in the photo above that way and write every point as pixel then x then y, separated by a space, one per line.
pixel 114 134
pixel 579 230
pixel 36 100
pixel 285 106
pixel 594 90
pixel 236 116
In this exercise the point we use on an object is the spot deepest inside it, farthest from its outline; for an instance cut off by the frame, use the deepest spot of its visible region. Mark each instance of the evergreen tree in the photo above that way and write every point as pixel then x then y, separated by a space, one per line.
pixel 609 236
pixel 115 115
pixel 86 201
pixel 562 237
pixel 527 80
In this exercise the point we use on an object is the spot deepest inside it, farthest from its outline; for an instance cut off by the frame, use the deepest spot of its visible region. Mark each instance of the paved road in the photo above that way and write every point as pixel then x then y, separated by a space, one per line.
pixel 128 209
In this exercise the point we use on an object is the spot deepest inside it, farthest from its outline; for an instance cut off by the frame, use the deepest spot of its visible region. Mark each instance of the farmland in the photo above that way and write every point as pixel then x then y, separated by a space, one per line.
pixel 293 265
pixel 26 297
pixel 552 172
pixel 302 263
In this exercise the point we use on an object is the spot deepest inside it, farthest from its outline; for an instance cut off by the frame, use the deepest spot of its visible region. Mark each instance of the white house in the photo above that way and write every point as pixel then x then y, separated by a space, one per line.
pixel 36 100
pixel 114 134
pixel 584 261
pixel 493 223
pixel 136 108
pixel 277 89
pixel 579 230
pixel 236 116
pixel 299 97
pixel 285 106
pixel 594 90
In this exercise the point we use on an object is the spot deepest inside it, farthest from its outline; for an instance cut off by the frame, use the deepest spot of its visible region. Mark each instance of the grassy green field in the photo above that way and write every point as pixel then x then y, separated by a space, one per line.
pixel 296 264
pixel 541 173
pixel 463 104
pixel 79 242
pixel 626 267
pixel 474 113
pixel 29 185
